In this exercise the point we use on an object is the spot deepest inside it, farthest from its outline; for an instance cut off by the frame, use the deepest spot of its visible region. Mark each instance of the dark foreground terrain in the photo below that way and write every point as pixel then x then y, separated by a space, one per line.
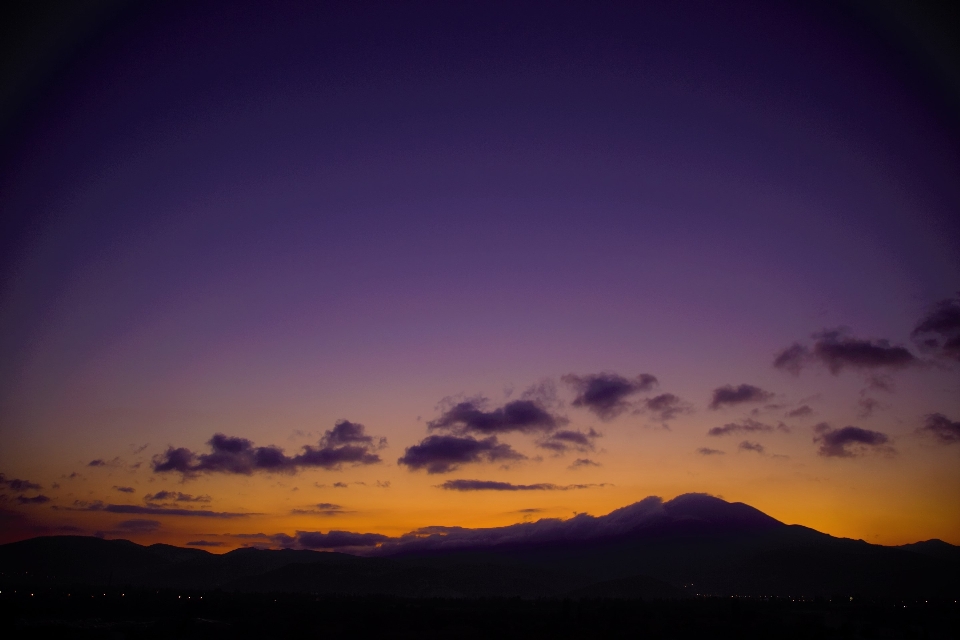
pixel 211 615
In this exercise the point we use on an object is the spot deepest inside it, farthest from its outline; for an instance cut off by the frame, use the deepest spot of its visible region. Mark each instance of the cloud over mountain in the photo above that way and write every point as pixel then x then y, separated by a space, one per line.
pixel 330 540
pixel 605 394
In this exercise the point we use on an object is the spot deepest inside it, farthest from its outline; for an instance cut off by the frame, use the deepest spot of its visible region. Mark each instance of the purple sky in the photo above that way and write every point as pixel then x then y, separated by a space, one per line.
pixel 259 219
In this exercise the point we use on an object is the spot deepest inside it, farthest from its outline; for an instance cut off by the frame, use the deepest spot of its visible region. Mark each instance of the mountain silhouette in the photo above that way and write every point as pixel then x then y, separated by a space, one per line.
pixel 693 544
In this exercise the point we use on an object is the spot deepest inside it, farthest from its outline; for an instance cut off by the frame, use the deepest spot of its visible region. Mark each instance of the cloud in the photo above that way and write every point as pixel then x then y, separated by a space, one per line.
pixel 138 526
pixel 849 441
pixel 123 489
pixel 730 395
pixel 941 427
pixel 605 394
pixel 707 451
pixel 524 416
pixel 175 496
pixel 665 406
pixel 880 382
pixel 337 539
pixel 346 443
pixel 492 485
pixel 580 463
pixel 96 463
pixel 345 433
pixel 562 441
pixel 837 351
pixel 800 412
pixel 792 358
pixel 440 454
pixel 322 509
pixel 939 330
pixel 157 510
pixel 37 499
pixel 746 445
pixel 867 407
pixel 18 485
pixel 204 543
pixel 748 425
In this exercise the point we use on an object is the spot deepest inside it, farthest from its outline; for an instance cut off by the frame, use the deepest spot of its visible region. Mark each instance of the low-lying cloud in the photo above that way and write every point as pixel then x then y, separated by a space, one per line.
pixel 335 540
pixel 175 496
pixel 492 485
pixel 155 510
pixel 321 509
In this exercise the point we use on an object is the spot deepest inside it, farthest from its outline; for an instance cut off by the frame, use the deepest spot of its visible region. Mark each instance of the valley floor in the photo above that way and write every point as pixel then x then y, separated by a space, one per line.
pixel 83 613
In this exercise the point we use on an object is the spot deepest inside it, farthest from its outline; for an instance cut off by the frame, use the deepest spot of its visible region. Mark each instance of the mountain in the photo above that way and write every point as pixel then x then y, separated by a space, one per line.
pixel 693 544
pixel 934 549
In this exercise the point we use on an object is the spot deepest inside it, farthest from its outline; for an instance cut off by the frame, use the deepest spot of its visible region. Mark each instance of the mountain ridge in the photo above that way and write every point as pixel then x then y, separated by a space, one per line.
pixel 693 544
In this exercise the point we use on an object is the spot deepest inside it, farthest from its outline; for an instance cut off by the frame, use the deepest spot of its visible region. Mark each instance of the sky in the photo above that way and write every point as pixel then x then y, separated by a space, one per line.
pixel 269 271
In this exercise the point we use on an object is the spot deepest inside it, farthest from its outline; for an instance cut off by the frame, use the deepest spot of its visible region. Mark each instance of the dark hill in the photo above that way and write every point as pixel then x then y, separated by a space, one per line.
pixel 694 544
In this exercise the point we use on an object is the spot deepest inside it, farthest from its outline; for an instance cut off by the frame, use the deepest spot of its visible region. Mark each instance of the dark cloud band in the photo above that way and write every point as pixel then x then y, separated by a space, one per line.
pixel 346 443
pixel 849 441
pixel 492 485
pixel 728 395
pixel 441 454
pixel 606 394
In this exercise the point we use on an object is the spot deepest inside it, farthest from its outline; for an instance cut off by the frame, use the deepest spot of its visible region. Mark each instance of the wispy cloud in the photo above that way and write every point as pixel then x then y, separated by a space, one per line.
pixel 493 485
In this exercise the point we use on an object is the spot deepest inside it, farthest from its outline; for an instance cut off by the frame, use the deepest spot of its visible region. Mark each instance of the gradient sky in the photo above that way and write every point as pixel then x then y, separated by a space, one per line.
pixel 450 222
